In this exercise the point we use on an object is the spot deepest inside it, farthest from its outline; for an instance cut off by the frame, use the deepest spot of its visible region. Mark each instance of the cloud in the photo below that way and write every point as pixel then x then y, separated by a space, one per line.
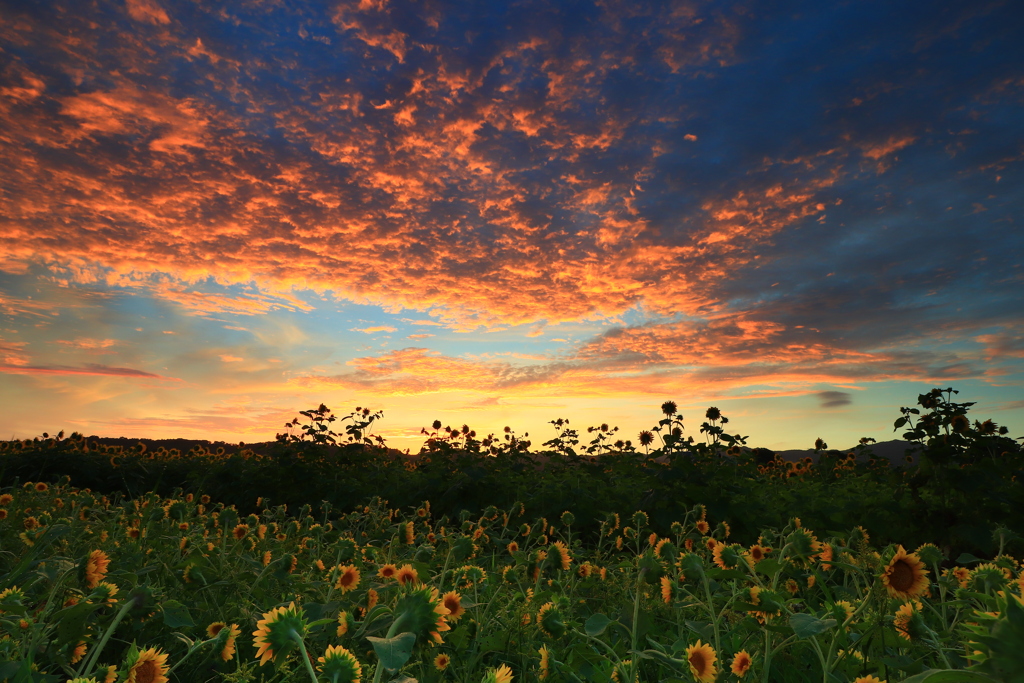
pixel 378 328
pixel 834 399
pixel 90 369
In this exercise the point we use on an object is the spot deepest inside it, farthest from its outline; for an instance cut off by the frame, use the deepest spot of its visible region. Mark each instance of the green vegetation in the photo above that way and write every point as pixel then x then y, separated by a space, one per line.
pixel 480 561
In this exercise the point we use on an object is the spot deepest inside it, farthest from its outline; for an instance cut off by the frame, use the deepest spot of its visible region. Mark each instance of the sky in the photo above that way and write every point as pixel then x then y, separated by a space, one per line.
pixel 215 215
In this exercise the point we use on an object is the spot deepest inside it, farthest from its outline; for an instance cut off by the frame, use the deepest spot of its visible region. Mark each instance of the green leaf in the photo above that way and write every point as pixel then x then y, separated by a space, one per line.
pixel 176 614
pixel 806 625
pixel 71 622
pixel 768 567
pixel 402 678
pixel 596 624
pixel 393 652
pixel 949 676
pixel 967 557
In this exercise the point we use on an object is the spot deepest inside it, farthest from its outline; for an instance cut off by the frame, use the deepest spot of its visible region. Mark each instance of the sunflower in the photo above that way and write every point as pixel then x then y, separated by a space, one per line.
pixel 961 574
pixel 741 663
pixel 666 590
pixel 105 592
pixel 233 631
pixel 340 665
pixel 549 620
pixel 905 576
pixel 278 632
pixel 348 579
pixel 502 674
pixel 803 544
pixel 423 613
pixel 442 661
pixel 78 653
pixel 407 575
pixel 728 556
pixel 240 531
pixel 908 622
pixel 702 662
pixel 560 554
pixel 703 527
pixel 868 679
pixel 96 568
pixel 387 571
pixel 757 553
pixel 410 533
pixel 150 667
pixel 826 555
pixel 545 662
pixel 453 601
pixel 513 547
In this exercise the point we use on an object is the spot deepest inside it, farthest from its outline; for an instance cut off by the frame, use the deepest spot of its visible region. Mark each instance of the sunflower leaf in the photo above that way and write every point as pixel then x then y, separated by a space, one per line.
pixel 806 625
pixel 967 557
pixel 596 624
pixel 768 567
pixel 393 652
pixel 176 614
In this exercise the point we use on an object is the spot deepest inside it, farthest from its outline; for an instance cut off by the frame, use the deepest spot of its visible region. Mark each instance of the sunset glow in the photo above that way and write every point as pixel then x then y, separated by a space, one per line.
pixel 213 216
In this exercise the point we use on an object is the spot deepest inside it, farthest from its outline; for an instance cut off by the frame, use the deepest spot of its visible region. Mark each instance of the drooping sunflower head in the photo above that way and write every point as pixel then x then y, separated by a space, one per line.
pixel 503 674
pixel 803 545
pixel 559 557
pixel 339 665
pixel 545 662
pixel 930 554
pixel 422 612
pixel 96 568
pixel 278 632
pixel 665 550
pixel 549 619
pixel 701 658
pixel 225 638
pixel 987 578
pixel 909 622
pixel 728 556
pixel 904 576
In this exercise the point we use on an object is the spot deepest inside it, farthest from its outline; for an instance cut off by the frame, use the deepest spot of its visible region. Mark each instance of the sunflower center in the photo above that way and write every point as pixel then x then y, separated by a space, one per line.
pixel 146 673
pixel 902 576
pixel 698 662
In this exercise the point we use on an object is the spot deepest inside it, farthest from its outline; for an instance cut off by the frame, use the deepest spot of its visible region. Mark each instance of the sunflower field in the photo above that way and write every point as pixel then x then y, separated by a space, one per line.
pixel 164 585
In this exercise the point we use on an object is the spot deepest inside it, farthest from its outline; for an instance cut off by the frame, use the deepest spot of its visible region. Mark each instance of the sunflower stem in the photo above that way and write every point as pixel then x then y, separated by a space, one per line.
pixel 89 663
pixel 305 655
pixel 636 615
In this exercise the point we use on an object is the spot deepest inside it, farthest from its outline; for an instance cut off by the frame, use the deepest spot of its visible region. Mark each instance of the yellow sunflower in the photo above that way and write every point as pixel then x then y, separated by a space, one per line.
pixel 907 626
pixel 278 632
pixel 545 662
pixel 702 662
pixel 741 663
pixel 348 579
pixel 96 568
pixel 340 665
pixel 666 590
pixel 407 575
pixel 387 571
pixel 905 576
pixel 453 601
pixel 150 667
pixel 442 661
